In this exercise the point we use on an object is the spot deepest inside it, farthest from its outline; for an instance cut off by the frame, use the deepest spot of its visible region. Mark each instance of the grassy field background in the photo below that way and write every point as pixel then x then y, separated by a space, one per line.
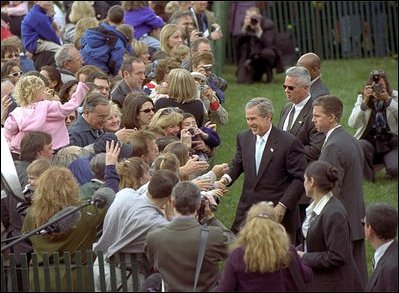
pixel 344 78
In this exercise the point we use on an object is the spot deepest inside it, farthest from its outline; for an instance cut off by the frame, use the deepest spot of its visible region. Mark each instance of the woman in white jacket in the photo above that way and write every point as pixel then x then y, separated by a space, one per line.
pixel 375 117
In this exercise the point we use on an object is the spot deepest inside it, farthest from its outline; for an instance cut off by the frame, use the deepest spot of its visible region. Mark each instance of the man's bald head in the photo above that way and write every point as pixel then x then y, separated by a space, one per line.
pixel 311 62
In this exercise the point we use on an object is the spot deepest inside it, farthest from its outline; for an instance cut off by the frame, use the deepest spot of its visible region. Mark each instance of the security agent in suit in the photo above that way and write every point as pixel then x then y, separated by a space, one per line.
pixel 344 152
pixel 312 63
pixel 280 174
pixel 173 249
pixel 296 88
pixel 380 227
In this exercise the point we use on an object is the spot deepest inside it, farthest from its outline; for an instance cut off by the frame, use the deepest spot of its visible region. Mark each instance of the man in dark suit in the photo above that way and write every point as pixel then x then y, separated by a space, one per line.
pixel 296 118
pixel 380 227
pixel 344 152
pixel 296 88
pixel 312 63
pixel 281 164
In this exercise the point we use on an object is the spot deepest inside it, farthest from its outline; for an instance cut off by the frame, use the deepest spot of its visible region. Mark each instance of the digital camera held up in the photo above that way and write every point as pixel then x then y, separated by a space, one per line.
pixel 254 20
pixel 201 211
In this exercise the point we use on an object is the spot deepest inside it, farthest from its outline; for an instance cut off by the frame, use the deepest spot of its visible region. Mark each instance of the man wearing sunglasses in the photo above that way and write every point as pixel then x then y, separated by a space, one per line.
pixel 296 118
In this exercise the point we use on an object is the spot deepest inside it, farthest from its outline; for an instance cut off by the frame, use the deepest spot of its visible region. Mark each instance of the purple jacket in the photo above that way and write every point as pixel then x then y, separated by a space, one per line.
pixel 235 277
pixel 47 116
pixel 143 21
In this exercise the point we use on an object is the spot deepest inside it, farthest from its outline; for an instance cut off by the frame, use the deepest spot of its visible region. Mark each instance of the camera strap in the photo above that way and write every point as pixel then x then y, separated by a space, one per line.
pixel 201 253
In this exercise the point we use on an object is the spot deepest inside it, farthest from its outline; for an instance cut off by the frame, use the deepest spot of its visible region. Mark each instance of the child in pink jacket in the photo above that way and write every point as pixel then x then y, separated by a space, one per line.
pixel 36 113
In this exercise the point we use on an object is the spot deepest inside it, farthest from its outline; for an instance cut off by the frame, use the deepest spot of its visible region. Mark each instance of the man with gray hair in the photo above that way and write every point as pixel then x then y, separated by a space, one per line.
pixel 273 162
pixel 173 249
pixel 296 118
pixel 89 126
pixel 68 61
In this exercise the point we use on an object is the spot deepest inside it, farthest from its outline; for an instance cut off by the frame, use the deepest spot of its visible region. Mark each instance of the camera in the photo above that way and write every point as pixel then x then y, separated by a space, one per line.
pixel 191 130
pixel 201 211
pixel 254 20
pixel 378 88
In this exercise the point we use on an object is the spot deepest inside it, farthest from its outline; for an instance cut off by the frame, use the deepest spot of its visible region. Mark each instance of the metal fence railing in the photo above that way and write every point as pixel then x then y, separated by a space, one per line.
pixel 333 29
pixel 69 272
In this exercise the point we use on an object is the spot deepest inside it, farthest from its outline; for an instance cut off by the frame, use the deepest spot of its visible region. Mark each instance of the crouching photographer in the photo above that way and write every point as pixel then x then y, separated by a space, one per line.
pixel 256 49
pixel 375 116
pixel 173 249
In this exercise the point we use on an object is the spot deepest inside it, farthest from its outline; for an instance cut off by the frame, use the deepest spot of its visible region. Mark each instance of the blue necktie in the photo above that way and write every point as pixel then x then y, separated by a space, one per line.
pixel 259 152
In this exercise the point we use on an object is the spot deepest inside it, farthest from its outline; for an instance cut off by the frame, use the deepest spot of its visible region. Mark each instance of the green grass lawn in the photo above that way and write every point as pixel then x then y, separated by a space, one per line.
pixel 344 78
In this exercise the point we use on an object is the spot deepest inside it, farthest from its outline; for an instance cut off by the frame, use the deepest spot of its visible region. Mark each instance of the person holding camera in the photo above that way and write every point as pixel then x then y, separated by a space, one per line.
pixel 173 249
pixel 375 117
pixel 256 49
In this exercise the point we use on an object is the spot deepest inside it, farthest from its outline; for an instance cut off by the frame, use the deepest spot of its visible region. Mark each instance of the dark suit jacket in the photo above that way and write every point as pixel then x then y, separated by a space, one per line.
pixel 318 89
pixel 385 275
pixel 173 252
pixel 329 251
pixel 344 152
pixel 280 177
pixel 303 128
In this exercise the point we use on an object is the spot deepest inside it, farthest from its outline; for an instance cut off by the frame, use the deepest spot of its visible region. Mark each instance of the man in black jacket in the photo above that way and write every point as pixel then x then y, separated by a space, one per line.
pixel 256 49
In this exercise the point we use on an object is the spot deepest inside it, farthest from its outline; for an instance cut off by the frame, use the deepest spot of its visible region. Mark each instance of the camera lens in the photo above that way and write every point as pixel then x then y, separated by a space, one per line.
pixel 254 20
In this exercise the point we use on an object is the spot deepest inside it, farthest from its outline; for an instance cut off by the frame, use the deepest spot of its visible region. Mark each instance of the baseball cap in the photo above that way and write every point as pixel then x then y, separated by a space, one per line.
pixel 99 145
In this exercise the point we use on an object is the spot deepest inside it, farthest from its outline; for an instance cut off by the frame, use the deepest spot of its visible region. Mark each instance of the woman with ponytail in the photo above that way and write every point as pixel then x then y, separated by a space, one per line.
pixel 327 244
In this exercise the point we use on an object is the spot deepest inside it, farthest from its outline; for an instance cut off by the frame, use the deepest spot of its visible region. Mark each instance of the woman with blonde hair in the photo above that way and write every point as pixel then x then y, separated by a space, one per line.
pixel 167 161
pixel 182 92
pixel 133 172
pixel 168 119
pixel 140 50
pixel 170 37
pixel 262 257
pixel 55 190
pixel 113 122
pixel 79 10
pixel 81 26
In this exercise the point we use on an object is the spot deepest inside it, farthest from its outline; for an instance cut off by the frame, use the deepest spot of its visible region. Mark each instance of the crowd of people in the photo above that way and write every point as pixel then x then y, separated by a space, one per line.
pixel 120 98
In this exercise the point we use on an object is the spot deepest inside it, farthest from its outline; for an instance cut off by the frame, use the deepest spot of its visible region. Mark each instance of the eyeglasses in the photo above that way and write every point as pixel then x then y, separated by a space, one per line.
pixel 15 74
pixel 363 221
pixel 148 110
pixel 291 88
pixel 170 110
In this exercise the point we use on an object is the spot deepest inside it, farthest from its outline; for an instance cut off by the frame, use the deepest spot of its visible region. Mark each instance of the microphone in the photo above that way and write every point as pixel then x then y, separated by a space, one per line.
pixel 103 197
pixel 63 221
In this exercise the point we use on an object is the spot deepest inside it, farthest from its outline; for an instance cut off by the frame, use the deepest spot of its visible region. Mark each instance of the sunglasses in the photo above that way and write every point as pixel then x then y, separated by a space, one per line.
pixel 207 67
pixel 363 221
pixel 148 110
pixel 291 88
pixel 170 110
pixel 15 74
